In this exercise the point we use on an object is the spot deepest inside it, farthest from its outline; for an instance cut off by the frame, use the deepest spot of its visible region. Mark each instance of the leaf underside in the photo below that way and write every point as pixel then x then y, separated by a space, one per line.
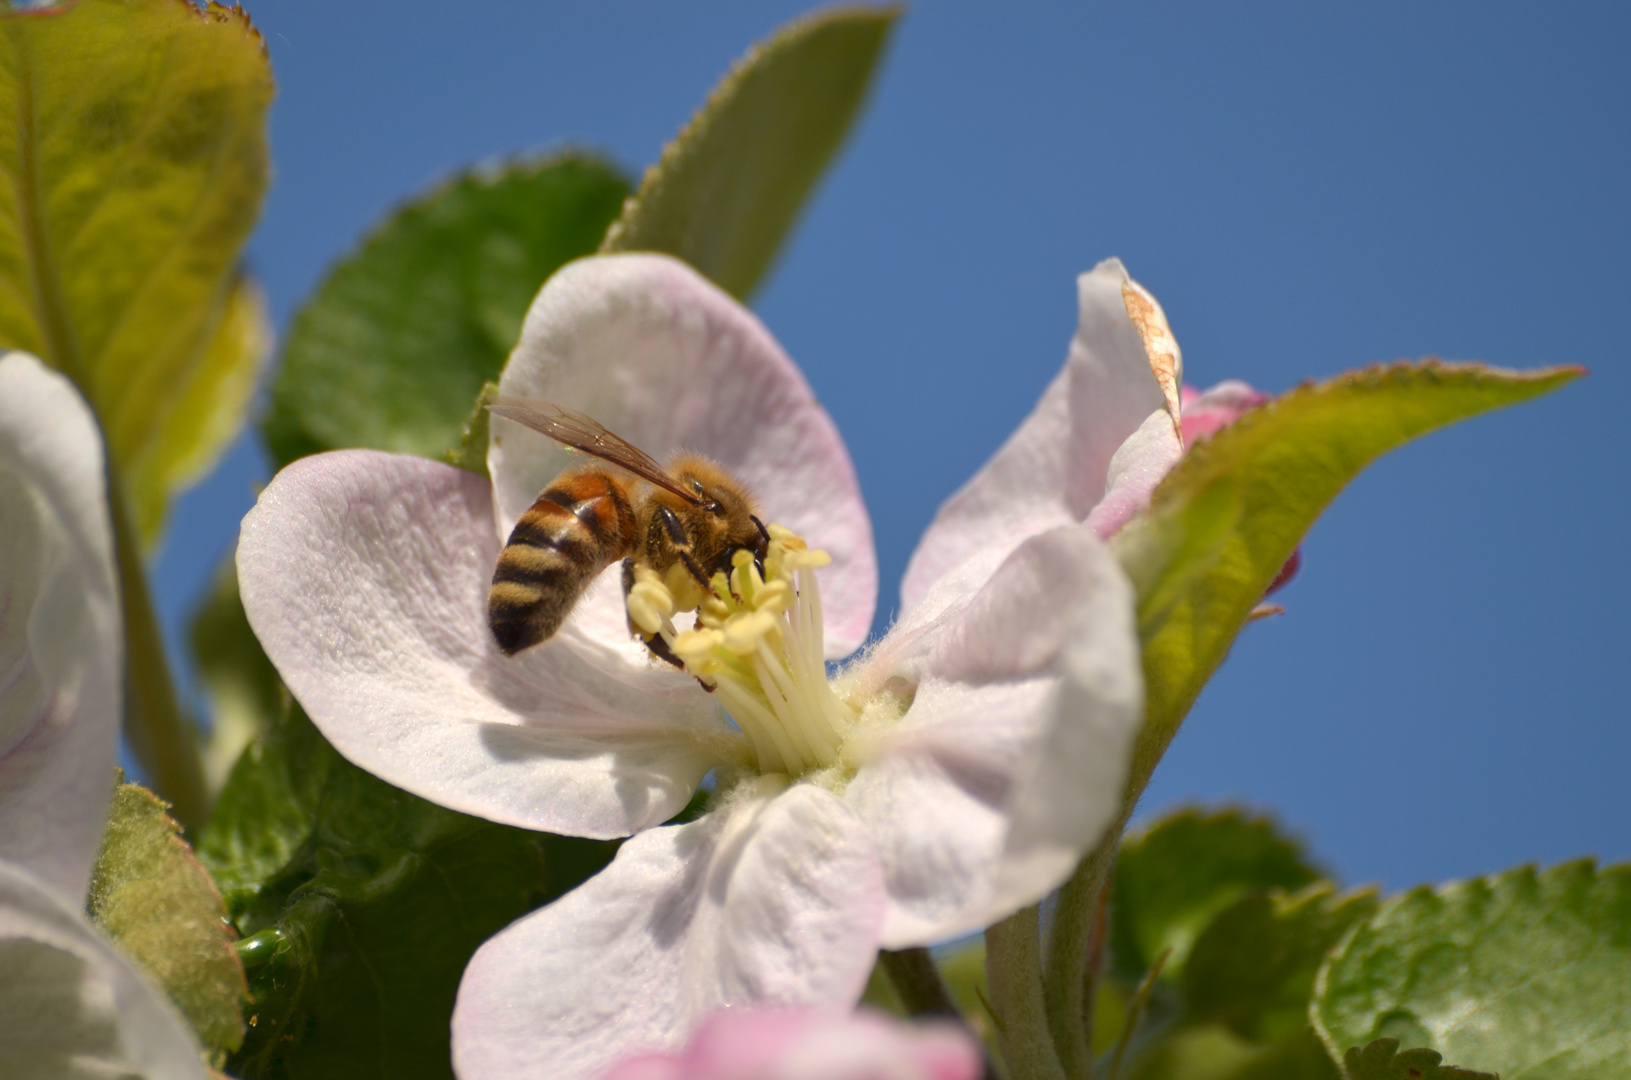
pixel 131 173
pixel 161 908
pixel 1280 465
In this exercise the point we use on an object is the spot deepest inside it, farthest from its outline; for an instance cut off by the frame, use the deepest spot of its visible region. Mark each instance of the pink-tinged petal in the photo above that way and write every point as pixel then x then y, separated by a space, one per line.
pixel 1052 470
pixel 650 349
pixel 71 1005
pixel 767 901
pixel 786 1044
pixel 1137 467
pixel 61 645
pixel 365 576
pixel 1206 414
pixel 1010 761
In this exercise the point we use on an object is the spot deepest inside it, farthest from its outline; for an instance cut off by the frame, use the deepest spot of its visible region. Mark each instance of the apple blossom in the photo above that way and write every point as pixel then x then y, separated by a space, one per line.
pixel 72 1005
pixel 952 774
pixel 803 1044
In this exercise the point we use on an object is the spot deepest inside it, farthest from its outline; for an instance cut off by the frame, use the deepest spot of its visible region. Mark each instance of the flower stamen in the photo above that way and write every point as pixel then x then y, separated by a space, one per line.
pixel 758 644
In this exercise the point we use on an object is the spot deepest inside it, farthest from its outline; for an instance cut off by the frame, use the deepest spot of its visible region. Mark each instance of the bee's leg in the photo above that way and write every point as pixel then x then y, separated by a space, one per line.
pixel 659 648
pixel 680 544
pixel 762 546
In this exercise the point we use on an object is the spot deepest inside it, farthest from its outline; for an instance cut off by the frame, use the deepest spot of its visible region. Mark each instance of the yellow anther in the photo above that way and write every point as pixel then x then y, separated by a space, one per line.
pixel 649 602
pixel 694 646
pixel 774 597
pixel 744 632
pixel 805 560
pixel 713 612
pixel 683 586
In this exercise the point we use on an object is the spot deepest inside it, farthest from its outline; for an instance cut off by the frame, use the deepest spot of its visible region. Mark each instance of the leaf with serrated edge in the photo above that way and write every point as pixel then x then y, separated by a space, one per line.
pixel 1526 974
pixel 161 908
pixel 398 339
pixel 730 185
pixel 1253 966
pixel 135 161
pixel 1288 460
pixel 1174 875
pixel 1382 1060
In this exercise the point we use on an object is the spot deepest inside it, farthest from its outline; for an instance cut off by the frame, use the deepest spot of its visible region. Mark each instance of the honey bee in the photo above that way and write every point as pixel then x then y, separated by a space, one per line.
pixel 691 513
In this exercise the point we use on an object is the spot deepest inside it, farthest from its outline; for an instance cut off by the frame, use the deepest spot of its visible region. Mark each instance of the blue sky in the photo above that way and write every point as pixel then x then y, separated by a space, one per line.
pixel 1306 190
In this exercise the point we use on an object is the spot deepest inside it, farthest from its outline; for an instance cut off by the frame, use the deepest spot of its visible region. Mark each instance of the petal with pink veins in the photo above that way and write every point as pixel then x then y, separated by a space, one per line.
pixel 650 349
pixel 768 900
pixel 1053 469
pixel 365 576
pixel 1010 762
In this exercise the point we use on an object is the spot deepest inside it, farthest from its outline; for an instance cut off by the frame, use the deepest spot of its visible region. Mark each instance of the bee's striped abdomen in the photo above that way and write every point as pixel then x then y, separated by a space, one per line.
pixel 580 525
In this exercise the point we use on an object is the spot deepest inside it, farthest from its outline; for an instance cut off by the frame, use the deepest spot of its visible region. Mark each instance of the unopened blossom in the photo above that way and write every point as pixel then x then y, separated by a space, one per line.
pixel 954 773
pixel 804 1044
pixel 71 1004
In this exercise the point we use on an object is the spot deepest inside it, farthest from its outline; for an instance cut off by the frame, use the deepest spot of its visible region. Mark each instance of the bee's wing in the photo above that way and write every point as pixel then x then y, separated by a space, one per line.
pixel 579 432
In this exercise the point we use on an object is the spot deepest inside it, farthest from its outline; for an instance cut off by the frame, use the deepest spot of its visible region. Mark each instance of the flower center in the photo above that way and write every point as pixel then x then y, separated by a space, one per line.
pixel 758 644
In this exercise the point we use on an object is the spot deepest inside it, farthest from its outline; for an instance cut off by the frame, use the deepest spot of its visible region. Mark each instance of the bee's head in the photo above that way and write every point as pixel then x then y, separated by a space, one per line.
pixel 725 505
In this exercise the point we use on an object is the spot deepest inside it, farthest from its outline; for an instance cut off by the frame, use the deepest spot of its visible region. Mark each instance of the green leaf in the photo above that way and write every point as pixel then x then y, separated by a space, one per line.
pixel 401 335
pixel 1525 974
pixel 1213 1052
pixel 361 905
pixel 1174 876
pixel 134 157
pixel 208 406
pixel 730 185
pixel 240 683
pixel 1284 463
pixel 471 454
pixel 1253 967
pixel 161 909
pixel 1381 1060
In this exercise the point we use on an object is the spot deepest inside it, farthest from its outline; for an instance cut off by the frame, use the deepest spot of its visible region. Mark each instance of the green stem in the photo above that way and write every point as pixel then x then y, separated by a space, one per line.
pixel 1013 970
pixel 917 982
pixel 1135 1013
pixel 1071 980
pixel 161 738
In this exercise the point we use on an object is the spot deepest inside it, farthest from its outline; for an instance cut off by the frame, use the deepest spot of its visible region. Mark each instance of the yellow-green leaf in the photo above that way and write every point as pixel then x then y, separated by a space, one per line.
pixel 133 160
pixel 208 409
pixel 161 908
pixel 1253 490
pixel 729 186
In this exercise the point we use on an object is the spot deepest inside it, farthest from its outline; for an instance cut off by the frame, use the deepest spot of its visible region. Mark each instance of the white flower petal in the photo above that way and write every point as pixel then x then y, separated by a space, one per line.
pixel 1137 467
pixel 61 645
pixel 72 1006
pixel 647 347
pixel 1011 760
pixel 772 901
pixel 365 576
pixel 1052 470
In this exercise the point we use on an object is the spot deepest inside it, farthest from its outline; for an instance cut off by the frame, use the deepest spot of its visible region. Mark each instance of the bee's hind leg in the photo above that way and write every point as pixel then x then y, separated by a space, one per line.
pixel 659 648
